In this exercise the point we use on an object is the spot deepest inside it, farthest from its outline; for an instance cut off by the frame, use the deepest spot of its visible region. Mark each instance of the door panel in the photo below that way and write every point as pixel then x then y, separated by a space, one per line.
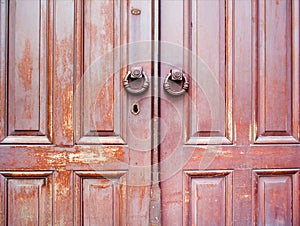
pixel 101 30
pixel 28 96
pixel 100 196
pixel 230 152
pixel 276 197
pixel 210 194
pixel 29 197
pixel 276 75
pixel 210 118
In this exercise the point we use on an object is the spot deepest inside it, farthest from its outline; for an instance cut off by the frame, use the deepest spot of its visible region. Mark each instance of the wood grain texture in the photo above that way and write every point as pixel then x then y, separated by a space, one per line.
pixel 63 71
pixel 250 117
pixel 211 73
pixel 100 26
pixel 98 40
pixel 276 197
pixel 208 198
pixel 28 198
pixel 276 72
pixel 224 153
pixel 27 75
pixel 100 197
pixel 3 68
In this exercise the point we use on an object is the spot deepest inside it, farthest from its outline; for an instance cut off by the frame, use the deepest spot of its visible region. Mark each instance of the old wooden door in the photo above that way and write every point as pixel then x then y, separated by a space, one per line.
pixel 216 133
pixel 71 151
pixel 230 151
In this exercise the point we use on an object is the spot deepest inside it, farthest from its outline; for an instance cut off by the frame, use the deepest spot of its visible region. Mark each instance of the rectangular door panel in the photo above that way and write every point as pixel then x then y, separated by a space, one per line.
pixel 210 101
pixel 208 198
pixel 100 197
pixel 27 119
pixel 276 197
pixel 204 52
pixel 276 68
pixel 27 198
pixel 102 28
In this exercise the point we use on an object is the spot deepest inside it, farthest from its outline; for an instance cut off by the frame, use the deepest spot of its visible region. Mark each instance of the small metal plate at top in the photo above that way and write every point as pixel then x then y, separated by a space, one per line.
pixel 135 12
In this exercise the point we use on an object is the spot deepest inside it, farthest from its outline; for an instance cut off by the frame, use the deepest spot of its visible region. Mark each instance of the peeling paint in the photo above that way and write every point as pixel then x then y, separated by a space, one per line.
pixel 87 157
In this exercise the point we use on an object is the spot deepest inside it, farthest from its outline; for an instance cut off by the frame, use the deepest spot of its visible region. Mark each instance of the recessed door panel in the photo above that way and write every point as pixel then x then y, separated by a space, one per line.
pixel 27 118
pixel 276 75
pixel 102 30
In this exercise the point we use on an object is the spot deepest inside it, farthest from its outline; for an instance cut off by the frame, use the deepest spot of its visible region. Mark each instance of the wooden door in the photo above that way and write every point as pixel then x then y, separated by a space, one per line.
pixel 71 151
pixel 77 149
pixel 230 151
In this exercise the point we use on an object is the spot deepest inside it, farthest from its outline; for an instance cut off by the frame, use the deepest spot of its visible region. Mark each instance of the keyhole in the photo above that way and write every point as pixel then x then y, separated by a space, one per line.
pixel 135 109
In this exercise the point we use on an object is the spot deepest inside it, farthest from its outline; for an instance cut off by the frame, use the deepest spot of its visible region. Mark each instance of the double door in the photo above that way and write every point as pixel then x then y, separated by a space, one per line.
pixel 149 112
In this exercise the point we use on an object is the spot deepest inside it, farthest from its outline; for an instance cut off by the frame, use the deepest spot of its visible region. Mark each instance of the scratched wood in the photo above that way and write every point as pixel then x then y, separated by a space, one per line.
pixel 276 197
pixel 277 89
pixel 98 30
pixel 29 197
pixel 209 193
pixel 100 195
pixel 98 77
pixel 27 96
pixel 63 71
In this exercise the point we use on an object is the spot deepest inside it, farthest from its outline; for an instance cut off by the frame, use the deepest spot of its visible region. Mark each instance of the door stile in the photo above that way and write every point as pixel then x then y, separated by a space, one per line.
pixel 155 203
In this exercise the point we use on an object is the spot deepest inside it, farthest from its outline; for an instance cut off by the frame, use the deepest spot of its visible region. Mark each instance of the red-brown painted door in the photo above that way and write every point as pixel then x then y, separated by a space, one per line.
pixel 77 149
pixel 71 150
pixel 229 150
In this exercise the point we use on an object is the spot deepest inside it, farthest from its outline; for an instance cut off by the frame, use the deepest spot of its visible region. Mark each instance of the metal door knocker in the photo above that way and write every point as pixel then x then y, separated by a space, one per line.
pixel 136 73
pixel 176 75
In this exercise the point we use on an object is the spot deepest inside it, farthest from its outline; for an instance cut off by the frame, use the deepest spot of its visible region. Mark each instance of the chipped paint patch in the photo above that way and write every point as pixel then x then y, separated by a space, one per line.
pixel 88 157
pixel 97 155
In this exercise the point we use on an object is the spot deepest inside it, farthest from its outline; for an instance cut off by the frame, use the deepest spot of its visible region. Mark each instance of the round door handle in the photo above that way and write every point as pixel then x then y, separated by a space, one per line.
pixel 134 74
pixel 176 75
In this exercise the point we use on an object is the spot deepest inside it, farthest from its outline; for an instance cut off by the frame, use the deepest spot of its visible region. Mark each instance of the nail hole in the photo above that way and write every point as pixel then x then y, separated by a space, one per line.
pixel 135 109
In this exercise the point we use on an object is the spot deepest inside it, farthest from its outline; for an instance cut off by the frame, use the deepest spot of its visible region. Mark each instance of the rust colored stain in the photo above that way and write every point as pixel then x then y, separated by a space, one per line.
pixel 26 210
pixel 27 108
pixel 57 160
pixel 93 35
pixel 104 106
pixel 99 39
pixel 116 153
pixel 64 57
pixel 101 91
pixel 25 67
pixel 142 196
pixel 64 87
